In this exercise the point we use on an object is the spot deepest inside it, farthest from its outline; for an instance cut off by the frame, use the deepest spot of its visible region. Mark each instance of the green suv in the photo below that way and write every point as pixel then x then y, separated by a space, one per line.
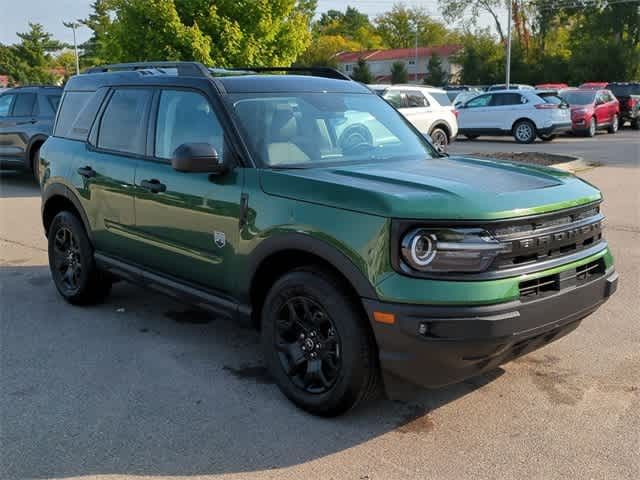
pixel 308 206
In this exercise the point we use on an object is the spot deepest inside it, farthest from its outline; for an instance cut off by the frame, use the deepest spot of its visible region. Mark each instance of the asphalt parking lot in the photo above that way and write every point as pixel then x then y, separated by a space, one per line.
pixel 148 387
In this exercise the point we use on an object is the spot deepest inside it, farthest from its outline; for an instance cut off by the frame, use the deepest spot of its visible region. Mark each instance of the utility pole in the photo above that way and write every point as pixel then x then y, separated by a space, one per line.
pixel 416 66
pixel 508 60
pixel 73 26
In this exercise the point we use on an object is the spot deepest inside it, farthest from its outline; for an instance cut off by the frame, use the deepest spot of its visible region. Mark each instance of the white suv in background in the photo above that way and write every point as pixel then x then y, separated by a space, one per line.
pixel 427 108
pixel 524 114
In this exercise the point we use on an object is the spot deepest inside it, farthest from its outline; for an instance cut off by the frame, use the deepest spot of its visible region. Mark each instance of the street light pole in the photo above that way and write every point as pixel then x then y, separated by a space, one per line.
pixel 416 66
pixel 73 26
pixel 508 59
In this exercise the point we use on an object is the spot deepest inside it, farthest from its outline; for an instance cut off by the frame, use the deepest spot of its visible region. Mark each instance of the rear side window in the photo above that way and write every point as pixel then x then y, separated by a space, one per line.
pixel 416 99
pixel 442 98
pixel 123 125
pixel 51 103
pixel 24 104
pixel 503 99
pixel 76 114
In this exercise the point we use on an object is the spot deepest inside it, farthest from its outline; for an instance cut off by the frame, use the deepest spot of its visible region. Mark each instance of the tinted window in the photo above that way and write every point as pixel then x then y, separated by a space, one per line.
pixel 72 104
pixel 5 105
pixel 415 99
pixel 502 99
pixel 551 98
pixel 51 103
pixel 186 117
pixel 442 98
pixel 123 123
pixel 481 101
pixel 23 106
pixel 623 90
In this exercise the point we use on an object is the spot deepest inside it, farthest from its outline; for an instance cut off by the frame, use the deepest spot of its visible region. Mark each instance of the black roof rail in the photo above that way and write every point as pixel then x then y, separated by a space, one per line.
pixel 188 69
pixel 326 72
pixel 35 85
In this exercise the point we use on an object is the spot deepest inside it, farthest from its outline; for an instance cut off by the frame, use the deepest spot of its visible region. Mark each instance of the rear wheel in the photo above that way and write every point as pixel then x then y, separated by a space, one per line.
pixel 524 131
pixel 635 123
pixel 318 346
pixel 35 163
pixel 440 139
pixel 72 264
pixel 615 125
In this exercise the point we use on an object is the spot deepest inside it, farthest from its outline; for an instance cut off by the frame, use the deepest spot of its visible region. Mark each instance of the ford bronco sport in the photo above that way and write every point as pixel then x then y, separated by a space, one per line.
pixel 308 205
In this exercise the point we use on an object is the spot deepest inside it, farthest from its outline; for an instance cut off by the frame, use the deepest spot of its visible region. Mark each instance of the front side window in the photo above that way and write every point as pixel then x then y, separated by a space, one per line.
pixel 5 104
pixel 481 101
pixel 311 129
pixel 123 123
pixel 186 117
pixel 394 97
pixel 24 104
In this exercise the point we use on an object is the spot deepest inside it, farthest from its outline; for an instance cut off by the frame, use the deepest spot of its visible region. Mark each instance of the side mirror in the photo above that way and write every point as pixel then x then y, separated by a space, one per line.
pixel 197 158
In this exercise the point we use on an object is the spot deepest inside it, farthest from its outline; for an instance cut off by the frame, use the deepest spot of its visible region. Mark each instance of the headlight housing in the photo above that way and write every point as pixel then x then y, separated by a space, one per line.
pixel 443 250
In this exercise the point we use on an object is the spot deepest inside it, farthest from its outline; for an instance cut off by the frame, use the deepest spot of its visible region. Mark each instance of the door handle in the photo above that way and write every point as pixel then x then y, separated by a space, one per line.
pixel 86 172
pixel 153 185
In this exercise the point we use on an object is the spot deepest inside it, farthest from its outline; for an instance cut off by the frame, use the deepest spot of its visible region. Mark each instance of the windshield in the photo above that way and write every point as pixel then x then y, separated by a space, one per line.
pixel 579 98
pixel 311 129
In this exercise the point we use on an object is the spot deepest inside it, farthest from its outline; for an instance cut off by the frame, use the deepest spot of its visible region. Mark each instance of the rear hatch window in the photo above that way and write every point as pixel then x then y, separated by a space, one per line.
pixel 442 98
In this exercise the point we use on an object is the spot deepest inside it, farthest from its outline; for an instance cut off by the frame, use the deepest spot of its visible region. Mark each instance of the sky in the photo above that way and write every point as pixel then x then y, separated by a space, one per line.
pixel 16 14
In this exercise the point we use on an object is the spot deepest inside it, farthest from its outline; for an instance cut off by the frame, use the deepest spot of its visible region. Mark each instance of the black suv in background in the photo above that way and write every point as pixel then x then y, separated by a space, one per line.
pixel 628 94
pixel 26 120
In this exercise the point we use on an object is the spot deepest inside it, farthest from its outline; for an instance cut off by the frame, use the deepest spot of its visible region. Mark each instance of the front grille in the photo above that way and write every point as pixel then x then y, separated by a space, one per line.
pixel 550 284
pixel 553 236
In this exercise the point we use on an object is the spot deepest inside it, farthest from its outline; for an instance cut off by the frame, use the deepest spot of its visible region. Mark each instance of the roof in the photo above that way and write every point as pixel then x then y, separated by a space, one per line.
pixel 229 84
pixel 397 53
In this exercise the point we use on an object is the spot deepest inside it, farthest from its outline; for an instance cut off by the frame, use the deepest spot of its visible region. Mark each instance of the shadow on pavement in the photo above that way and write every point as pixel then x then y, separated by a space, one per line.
pixel 15 184
pixel 142 385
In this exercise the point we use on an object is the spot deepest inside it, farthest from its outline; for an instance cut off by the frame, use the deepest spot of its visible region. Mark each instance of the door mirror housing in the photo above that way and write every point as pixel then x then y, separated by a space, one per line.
pixel 198 158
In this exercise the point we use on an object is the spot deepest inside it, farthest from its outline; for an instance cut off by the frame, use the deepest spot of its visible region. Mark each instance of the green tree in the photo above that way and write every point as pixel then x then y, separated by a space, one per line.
pixel 436 74
pixel 323 50
pixel 361 72
pixel 399 73
pixel 397 27
pixel 481 59
pixel 352 25
pixel 469 11
pixel 98 49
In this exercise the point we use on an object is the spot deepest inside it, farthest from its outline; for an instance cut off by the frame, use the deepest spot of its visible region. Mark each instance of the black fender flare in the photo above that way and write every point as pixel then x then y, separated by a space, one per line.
pixel 39 137
pixel 60 190
pixel 441 123
pixel 314 246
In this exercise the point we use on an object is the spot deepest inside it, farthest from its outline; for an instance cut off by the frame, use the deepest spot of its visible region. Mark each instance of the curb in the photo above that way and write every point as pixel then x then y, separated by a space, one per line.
pixel 577 164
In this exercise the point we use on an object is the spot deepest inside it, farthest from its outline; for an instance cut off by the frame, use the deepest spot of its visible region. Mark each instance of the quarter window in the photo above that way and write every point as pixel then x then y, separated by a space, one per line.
pixel 186 117
pixel 123 124
pixel 5 104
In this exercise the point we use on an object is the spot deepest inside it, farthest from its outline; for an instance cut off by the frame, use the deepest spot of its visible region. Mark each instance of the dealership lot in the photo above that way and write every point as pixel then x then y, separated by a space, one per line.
pixel 145 386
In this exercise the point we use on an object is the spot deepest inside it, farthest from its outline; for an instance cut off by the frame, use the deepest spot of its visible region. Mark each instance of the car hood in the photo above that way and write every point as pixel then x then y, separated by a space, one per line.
pixel 461 188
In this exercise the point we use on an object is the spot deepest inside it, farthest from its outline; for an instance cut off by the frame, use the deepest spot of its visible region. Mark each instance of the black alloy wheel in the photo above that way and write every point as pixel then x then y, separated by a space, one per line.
pixel 308 345
pixel 67 261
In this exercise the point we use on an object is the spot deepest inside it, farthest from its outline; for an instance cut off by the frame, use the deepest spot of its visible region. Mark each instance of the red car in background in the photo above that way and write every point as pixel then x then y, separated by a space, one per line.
pixel 551 86
pixel 596 85
pixel 592 110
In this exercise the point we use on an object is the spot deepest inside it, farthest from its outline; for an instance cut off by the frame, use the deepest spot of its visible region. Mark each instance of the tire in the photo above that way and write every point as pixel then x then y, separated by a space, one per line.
pixel 591 131
pixel 635 123
pixel 524 131
pixel 439 139
pixel 71 262
pixel 547 138
pixel 35 164
pixel 615 125
pixel 329 377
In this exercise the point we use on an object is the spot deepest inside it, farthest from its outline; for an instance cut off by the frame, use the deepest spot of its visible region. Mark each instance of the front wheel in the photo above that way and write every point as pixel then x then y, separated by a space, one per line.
pixel 615 124
pixel 591 132
pixel 35 164
pixel 524 131
pixel 317 344
pixel 72 264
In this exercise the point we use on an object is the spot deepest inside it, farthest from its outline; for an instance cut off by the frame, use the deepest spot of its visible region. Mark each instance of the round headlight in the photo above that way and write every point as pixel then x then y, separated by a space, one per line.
pixel 419 248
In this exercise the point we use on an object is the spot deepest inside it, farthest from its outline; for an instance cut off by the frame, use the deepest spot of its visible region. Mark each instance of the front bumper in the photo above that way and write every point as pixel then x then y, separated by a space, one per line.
pixel 433 346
